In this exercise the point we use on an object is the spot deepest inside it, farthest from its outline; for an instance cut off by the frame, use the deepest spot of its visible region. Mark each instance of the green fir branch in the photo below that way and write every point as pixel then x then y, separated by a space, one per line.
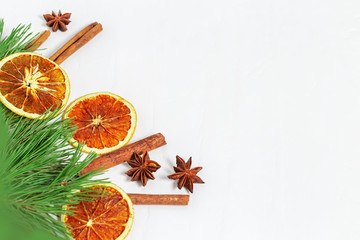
pixel 19 38
pixel 39 170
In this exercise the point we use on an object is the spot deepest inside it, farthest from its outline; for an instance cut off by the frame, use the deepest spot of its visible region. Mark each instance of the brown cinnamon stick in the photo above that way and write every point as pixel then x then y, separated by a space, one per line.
pixel 75 43
pixel 125 153
pixel 159 199
pixel 39 40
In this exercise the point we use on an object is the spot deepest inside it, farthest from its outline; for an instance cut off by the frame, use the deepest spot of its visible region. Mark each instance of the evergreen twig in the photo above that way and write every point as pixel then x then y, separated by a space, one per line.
pixel 39 170
pixel 17 41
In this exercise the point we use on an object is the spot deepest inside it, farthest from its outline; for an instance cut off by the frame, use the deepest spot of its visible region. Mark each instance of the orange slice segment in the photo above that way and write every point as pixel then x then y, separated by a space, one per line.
pixel 31 84
pixel 105 121
pixel 106 217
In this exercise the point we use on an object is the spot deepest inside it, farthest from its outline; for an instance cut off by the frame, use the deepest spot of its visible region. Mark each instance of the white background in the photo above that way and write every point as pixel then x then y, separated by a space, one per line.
pixel 265 95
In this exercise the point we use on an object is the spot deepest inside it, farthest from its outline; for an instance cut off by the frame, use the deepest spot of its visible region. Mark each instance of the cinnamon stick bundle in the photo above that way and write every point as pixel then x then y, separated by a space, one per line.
pixel 123 154
pixel 38 41
pixel 75 43
pixel 159 199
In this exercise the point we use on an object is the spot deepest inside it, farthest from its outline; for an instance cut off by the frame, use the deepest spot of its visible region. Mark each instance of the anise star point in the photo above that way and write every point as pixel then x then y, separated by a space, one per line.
pixel 142 168
pixel 58 21
pixel 186 175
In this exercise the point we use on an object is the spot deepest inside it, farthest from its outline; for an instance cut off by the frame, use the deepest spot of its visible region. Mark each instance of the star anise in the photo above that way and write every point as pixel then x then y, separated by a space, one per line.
pixel 57 21
pixel 186 175
pixel 142 168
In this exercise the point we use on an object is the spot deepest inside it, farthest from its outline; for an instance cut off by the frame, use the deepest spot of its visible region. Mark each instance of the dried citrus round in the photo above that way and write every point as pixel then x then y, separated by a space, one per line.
pixel 105 121
pixel 31 84
pixel 108 216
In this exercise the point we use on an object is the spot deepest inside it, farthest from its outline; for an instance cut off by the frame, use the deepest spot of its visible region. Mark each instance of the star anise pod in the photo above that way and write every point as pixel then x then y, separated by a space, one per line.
pixel 186 175
pixel 57 21
pixel 142 168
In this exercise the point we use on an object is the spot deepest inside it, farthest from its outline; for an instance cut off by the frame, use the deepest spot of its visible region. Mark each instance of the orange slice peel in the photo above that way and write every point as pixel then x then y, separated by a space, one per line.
pixel 107 217
pixel 31 84
pixel 105 122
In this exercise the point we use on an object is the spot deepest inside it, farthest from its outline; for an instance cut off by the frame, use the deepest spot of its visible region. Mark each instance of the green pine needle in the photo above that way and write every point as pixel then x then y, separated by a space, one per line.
pixel 17 41
pixel 39 170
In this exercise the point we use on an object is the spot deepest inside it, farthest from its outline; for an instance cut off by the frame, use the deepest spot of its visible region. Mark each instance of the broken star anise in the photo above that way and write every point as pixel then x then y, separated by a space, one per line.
pixel 57 21
pixel 142 168
pixel 185 174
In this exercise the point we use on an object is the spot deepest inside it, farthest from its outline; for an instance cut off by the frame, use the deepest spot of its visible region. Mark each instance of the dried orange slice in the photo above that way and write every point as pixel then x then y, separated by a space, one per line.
pixel 30 84
pixel 105 121
pixel 106 217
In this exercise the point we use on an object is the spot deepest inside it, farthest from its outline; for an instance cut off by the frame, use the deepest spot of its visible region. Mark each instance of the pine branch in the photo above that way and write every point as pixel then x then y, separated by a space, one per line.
pixel 17 41
pixel 38 167
pixel 39 170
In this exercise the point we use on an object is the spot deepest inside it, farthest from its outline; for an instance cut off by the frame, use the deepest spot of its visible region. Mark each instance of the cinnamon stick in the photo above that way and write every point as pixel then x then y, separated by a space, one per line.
pixel 75 43
pixel 39 40
pixel 123 154
pixel 159 199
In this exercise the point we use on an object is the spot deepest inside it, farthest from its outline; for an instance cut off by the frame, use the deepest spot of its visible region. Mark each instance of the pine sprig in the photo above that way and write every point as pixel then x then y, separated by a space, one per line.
pixel 39 170
pixel 17 41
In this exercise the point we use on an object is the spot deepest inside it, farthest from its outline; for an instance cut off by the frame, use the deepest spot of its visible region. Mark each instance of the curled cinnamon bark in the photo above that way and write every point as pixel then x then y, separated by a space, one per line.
pixel 75 43
pixel 159 199
pixel 125 153
pixel 38 41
